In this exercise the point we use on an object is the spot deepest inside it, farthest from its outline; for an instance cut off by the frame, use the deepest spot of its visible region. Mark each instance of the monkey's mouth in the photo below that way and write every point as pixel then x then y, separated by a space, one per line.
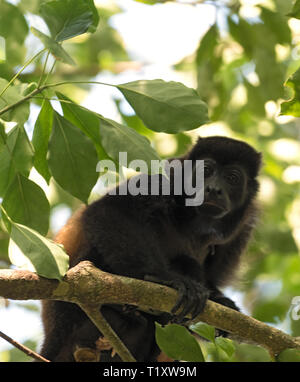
pixel 214 208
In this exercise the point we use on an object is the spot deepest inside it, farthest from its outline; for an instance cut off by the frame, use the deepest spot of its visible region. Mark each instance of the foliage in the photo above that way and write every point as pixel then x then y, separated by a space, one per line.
pixel 244 67
pixel 178 343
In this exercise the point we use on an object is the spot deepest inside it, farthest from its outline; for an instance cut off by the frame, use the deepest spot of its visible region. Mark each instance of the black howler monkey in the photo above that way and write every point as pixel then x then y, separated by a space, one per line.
pixel 194 249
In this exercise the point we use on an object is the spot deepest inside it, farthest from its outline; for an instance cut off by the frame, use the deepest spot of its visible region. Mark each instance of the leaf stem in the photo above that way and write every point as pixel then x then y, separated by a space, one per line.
pixel 50 71
pixel 30 95
pixel 21 70
pixel 44 87
pixel 79 82
pixel 4 213
pixel 44 69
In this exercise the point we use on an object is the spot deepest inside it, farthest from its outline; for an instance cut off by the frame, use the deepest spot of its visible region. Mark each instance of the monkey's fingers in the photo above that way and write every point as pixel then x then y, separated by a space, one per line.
pixel 191 299
pixel 184 301
pixel 194 300
pixel 202 296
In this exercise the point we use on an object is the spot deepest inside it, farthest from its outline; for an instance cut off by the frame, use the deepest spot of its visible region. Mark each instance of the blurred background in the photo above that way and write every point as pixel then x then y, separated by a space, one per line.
pixel 238 55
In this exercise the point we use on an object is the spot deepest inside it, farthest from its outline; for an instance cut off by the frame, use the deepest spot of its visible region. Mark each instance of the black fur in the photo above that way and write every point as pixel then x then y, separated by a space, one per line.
pixel 157 237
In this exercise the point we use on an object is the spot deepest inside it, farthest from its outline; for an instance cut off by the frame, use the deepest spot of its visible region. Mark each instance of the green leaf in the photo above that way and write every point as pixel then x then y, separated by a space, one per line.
pixel 87 121
pixel 40 139
pixel 226 345
pixel 242 33
pixel 68 18
pixel 178 343
pixel 207 45
pixel 204 330
pixel 289 355
pixel 16 156
pixel 12 23
pixel 25 202
pixel 168 107
pixel 295 12
pixel 93 27
pixel 12 95
pixel 15 53
pixel 134 122
pixel 276 23
pixel 72 158
pixel 29 88
pixel 118 138
pixel 55 48
pixel 2 136
pixel 32 251
pixel 256 100
pixel 292 107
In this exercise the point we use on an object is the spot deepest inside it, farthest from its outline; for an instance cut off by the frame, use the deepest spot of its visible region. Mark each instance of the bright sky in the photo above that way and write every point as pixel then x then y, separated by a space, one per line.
pixel 164 33
pixel 158 36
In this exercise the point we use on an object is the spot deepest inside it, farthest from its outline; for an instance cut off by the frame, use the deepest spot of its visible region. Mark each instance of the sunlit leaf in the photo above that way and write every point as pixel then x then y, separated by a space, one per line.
pixel 204 330
pixel 178 343
pixel 292 107
pixel 168 107
pixel 12 95
pixel 55 48
pixel 226 345
pixel 29 250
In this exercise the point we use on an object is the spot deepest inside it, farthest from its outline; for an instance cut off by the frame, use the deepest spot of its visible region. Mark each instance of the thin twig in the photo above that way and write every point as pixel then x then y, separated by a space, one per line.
pixel 23 348
pixel 48 86
pixel 9 107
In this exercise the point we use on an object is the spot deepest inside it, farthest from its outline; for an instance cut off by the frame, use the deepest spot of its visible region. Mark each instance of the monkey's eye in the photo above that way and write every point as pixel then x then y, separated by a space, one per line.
pixel 233 177
pixel 208 170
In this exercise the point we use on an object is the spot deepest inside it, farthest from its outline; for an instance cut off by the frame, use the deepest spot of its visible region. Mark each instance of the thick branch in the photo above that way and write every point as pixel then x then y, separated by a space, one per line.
pixel 89 286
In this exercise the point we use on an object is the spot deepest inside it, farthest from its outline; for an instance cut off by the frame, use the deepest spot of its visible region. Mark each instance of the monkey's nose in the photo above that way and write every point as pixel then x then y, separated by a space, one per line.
pixel 213 190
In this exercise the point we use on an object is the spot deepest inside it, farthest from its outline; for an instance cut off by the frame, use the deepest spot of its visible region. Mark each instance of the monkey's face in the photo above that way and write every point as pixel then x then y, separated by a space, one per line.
pixel 224 188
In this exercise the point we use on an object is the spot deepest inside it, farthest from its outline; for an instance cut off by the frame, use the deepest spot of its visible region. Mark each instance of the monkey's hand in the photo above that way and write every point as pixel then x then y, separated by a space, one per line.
pixel 217 296
pixel 191 300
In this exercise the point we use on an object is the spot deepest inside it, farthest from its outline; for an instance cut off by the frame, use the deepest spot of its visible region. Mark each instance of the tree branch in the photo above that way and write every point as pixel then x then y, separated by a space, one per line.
pixel 93 312
pixel 89 287
pixel 23 348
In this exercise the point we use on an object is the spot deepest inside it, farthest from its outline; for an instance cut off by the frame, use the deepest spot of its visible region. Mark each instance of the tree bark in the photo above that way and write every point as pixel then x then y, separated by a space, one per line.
pixel 89 287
